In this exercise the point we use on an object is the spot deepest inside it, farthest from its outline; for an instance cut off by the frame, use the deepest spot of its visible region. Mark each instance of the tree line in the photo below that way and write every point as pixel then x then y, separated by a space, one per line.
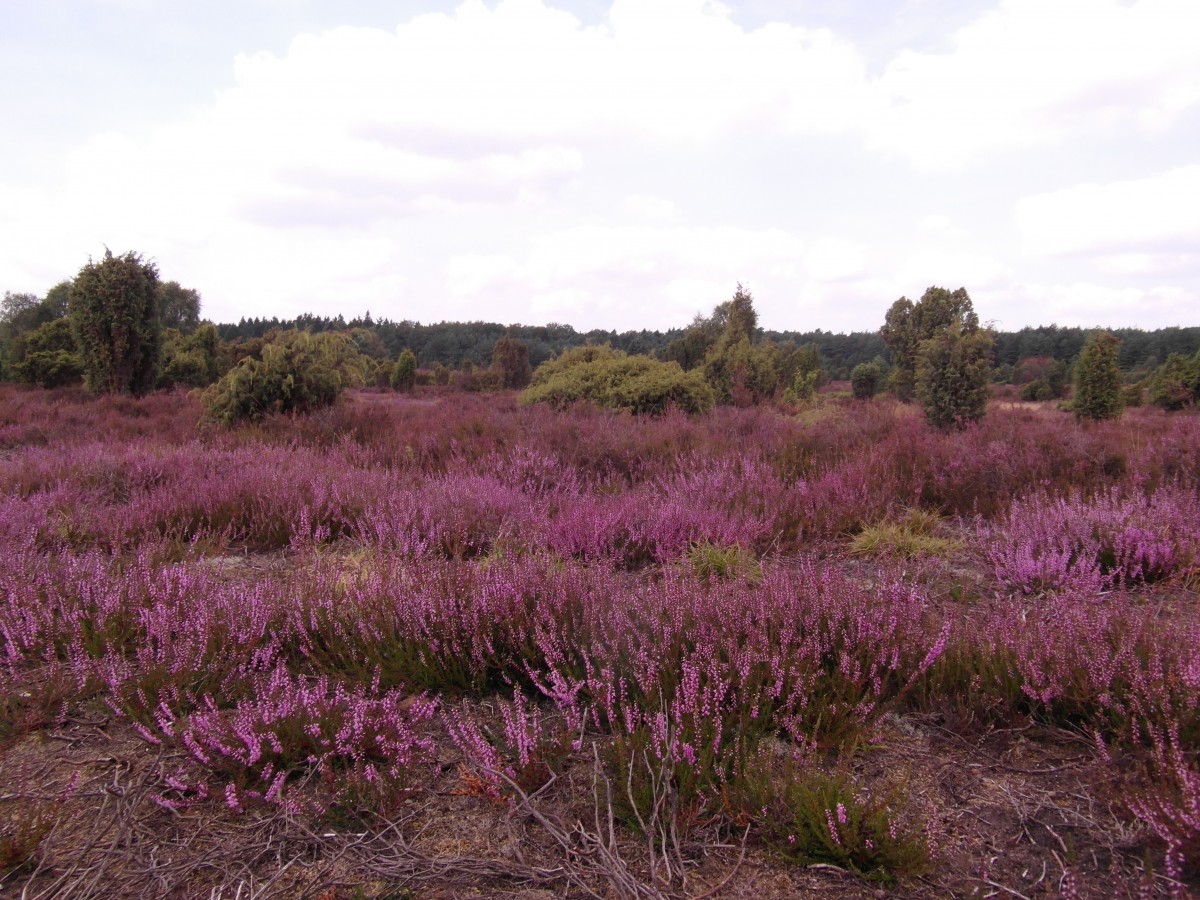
pixel 117 327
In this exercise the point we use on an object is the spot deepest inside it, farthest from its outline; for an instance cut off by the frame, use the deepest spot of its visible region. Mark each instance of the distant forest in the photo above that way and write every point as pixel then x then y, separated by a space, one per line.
pixel 453 344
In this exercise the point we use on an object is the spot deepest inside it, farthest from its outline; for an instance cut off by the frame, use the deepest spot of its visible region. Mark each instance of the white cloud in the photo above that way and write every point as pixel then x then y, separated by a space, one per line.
pixel 835 259
pixel 1033 73
pixel 508 162
pixel 1090 305
pixel 1158 213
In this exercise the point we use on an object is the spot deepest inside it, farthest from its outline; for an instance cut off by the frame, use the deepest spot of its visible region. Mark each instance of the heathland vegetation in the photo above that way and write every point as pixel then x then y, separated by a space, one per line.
pixel 327 619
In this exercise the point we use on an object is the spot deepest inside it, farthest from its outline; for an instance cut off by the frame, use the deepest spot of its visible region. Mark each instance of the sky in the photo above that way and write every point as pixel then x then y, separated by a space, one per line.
pixel 618 165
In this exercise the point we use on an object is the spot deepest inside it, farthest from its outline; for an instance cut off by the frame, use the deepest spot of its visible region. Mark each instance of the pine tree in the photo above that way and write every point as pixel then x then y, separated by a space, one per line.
pixel 1098 379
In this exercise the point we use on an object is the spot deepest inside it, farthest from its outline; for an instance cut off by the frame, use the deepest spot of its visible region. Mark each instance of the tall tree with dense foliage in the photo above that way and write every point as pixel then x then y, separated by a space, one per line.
pixel 179 307
pixel 908 324
pixel 115 317
pixel 1098 378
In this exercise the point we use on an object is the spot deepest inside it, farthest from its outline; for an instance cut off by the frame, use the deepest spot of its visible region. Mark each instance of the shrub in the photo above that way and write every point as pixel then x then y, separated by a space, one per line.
pixel 952 377
pixel 1036 391
pixel 510 362
pixel 298 372
pixel 614 380
pixel 1176 383
pixel 865 380
pixel 1098 379
pixel 404 373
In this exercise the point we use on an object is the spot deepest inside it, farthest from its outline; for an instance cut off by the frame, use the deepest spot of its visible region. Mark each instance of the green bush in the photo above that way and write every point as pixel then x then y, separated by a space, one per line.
pixel 614 380
pixel 1036 391
pixel 953 371
pixel 1176 383
pixel 1098 379
pixel 49 357
pixel 298 372
pixel 404 373
pixel 865 380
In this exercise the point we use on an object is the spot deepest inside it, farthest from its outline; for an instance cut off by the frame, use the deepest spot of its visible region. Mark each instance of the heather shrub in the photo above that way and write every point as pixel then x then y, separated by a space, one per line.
pixel 351 738
pixel 1109 539
pixel 808 817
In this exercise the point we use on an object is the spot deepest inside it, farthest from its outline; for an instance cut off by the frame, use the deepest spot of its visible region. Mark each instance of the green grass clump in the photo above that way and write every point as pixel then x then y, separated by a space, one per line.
pixel 711 561
pixel 910 536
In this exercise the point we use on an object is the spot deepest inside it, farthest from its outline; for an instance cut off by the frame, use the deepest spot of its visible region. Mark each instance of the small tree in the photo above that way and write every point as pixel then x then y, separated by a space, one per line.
pixel 953 372
pixel 738 370
pixel 179 307
pixel 510 362
pixel 1098 378
pixel 865 380
pixel 404 373
pixel 115 318
pixel 907 325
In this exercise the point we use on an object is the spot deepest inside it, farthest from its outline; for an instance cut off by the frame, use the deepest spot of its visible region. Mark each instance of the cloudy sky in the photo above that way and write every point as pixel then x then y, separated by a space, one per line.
pixel 612 164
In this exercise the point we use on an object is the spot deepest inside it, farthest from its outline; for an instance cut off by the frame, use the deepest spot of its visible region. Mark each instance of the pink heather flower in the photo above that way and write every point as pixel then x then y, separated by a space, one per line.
pixel 833 829
pixel 841 814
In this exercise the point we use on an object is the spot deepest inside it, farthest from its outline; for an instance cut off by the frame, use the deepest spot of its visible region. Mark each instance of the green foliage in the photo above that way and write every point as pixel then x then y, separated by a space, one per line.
pixel 1036 391
pixel 1176 383
pixel 953 371
pixel 298 372
pixel 510 362
pixel 615 380
pixel 49 357
pixel 115 317
pixel 179 307
pixel 1098 379
pixel 865 380
pixel 713 561
pixel 192 360
pixel 799 371
pixel 908 325
pixel 404 373
pixel 20 316
pixel 810 817
pixel 738 371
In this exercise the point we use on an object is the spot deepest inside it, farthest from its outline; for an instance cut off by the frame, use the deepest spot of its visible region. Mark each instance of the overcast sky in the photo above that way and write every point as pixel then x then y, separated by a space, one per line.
pixel 617 165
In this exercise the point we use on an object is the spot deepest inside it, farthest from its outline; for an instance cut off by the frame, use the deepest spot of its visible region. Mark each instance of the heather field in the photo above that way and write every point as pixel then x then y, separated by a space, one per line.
pixel 442 645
